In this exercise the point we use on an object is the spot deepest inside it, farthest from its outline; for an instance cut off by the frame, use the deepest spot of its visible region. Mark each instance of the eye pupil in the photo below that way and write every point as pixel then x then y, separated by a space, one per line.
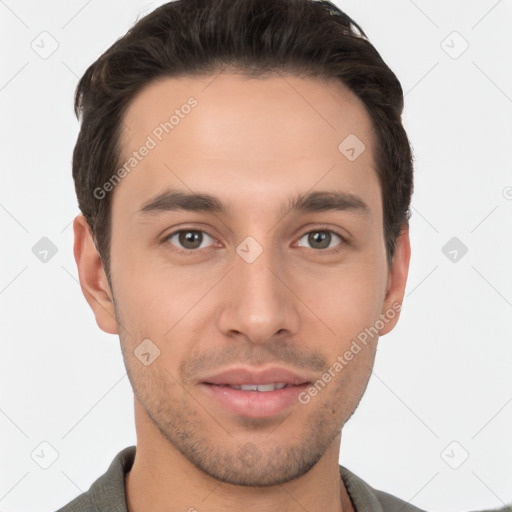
pixel 324 237
pixel 193 237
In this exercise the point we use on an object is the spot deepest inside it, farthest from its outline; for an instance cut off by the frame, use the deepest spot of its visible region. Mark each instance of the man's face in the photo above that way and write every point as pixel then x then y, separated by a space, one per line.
pixel 256 286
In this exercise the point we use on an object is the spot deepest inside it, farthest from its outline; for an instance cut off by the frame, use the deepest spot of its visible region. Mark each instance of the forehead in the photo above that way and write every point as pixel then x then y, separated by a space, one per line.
pixel 257 136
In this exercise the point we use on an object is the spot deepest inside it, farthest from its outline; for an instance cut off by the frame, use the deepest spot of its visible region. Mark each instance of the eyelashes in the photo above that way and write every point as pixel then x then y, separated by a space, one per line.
pixel 191 241
pixel 311 234
pixel 183 238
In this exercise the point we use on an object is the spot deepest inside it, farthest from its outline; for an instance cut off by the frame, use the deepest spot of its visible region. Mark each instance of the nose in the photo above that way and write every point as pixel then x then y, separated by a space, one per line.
pixel 258 302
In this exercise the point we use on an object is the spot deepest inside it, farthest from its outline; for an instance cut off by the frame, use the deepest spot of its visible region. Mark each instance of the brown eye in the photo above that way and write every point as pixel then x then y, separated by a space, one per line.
pixel 321 239
pixel 189 239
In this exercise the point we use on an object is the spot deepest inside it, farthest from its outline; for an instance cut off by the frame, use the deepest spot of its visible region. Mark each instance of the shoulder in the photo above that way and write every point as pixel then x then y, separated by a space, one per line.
pixel 367 499
pixel 81 503
pixel 108 491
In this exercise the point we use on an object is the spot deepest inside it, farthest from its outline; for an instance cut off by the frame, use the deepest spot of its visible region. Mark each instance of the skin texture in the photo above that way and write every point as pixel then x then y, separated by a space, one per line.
pixel 253 143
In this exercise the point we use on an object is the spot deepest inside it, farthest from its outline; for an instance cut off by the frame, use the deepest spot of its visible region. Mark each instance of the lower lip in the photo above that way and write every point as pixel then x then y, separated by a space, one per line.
pixel 254 404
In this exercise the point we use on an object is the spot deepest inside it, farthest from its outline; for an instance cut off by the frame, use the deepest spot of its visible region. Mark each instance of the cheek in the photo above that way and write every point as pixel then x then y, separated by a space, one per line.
pixel 154 296
pixel 346 300
pixel 155 299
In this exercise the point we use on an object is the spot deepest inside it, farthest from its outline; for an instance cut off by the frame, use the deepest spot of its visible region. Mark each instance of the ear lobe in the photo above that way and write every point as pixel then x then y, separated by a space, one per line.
pixel 93 279
pixel 397 280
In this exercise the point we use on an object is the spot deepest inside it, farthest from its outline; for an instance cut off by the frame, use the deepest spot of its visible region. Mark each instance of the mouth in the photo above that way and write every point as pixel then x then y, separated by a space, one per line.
pixel 252 394
pixel 262 388
pixel 254 401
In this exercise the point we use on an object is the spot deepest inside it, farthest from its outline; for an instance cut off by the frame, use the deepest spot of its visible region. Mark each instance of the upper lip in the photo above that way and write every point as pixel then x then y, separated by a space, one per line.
pixel 247 375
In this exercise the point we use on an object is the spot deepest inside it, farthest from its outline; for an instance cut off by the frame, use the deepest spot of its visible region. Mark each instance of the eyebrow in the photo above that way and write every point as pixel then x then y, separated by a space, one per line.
pixel 319 201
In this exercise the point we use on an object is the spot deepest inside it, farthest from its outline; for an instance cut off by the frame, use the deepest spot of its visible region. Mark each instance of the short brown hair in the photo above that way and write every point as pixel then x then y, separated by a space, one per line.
pixel 197 37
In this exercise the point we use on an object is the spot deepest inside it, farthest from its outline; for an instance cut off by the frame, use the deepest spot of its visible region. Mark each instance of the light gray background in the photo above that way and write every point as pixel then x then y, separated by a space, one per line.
pixel 443 375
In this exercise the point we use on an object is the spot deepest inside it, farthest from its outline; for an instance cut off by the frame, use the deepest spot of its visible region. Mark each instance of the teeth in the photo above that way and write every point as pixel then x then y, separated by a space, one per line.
pixel 260 387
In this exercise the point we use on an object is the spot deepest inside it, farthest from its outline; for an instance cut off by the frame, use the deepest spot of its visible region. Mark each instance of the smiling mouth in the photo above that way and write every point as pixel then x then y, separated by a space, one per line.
pixel 255 387
pixel 255 400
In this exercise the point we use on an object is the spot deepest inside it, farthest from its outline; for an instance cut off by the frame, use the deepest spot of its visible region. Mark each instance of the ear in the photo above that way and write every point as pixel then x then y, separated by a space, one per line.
pixel 93 279
pixel 397 279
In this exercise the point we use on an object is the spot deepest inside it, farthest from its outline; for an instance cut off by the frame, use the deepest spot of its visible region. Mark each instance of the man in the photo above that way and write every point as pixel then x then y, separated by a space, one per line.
pixel 244 180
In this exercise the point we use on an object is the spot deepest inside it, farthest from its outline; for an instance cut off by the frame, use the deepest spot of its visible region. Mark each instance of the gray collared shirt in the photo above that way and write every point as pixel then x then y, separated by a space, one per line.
pixel 107 493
